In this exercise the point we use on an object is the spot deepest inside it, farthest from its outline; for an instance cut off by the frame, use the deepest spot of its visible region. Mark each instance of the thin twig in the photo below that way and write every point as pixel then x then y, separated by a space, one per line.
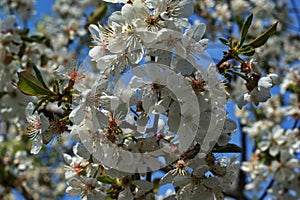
pixel 242 174
pixel 266 190
pixel 148 176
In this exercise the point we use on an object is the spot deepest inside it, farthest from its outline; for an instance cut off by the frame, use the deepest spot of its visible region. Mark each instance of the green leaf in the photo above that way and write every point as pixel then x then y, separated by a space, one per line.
pixel 105 179
pixel 37 73
pixel 98 14
pixel 263 38
pixel 44 60
pixel 229 148
pixel 247 51
pixel 33 38
pixel 245 29
pixel 30 85
pixel 38 38
pixel 224 41
pixel 25 31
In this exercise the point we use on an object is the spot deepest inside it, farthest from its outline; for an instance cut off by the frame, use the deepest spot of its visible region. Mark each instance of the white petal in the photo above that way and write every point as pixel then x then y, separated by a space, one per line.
pixel 73 191
pixel 167 178
pixel 77 114
pixel 180 50
pixel 194 35
pixel 186 137
pixel 117 45
pixel 128 13
pixel 223 139
pixel 116 21
pixel 80 150
pixel 264 145
pixel 100 119
pixel 201 170
pixel 265 82
pixel 37 144
pixel 45 122
pixel 242 100
pixel 229 126
pixel 106 61
pixel 174 117
pixel 67 158
pixel 181 181
pixel 121 112
pixel 274 78
pixel 125 194
pixel 143 187
pixel 186 8
pixel 95 32
pixel 140 9
pixel 153 163
pixel 280 176
pixel 274 150
pixel 142 123
pixel 212 182
pixel 96 52
pixel 48 136
pixel 293 163
pixel 29 109
pixel 147 36
pixel 136 82
pixel 139 71
pixel 135 52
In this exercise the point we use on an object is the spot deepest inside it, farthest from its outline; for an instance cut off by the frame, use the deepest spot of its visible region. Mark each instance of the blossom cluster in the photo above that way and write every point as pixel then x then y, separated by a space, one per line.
pixel 277 146
pixel 147 99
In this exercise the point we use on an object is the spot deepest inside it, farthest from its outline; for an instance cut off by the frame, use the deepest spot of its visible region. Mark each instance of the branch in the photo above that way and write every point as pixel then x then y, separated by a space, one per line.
pixel 25 193
pixel 242 175
pixel 226 57
pixel 148 176
pixel 266 190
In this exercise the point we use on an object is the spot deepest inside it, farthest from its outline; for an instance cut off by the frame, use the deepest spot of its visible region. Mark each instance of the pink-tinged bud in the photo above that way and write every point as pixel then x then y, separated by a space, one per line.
pixel 77 169
pixel 160 136
pixel 246 67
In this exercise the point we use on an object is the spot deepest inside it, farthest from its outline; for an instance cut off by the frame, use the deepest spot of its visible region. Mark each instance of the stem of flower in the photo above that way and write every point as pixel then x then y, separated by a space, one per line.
pixel 238 74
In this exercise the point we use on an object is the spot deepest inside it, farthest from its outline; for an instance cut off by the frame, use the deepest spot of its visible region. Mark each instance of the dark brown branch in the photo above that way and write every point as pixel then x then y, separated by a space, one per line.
pixel 266 190
pixel 226 57
pixel 148 176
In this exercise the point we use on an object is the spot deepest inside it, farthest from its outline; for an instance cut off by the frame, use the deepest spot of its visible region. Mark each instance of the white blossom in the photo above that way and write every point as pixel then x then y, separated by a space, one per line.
pixel 38 124
pixel 261 93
